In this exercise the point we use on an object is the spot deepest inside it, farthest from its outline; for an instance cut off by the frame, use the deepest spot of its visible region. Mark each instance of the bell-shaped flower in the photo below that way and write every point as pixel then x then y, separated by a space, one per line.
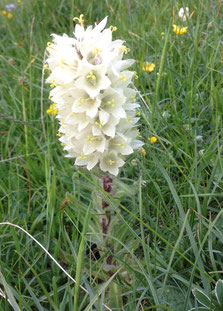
pixel 63 75
pixel 62 48
pixel 121 144
pixel 93 79
pixel 91 143
pixel 89 160
pixel 72 145
pixel 111 162
pixel 84 103
pixel 106 127
pixel 112 102
pixel 78 118
pixel 122 80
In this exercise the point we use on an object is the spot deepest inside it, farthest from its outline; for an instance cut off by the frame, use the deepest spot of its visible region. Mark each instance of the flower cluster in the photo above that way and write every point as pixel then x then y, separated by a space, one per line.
pixel 10 7
pixel 183 14
pixel 91 88
pixel 52 110
pixel 9 14
pixel 179 30
pixel 149 67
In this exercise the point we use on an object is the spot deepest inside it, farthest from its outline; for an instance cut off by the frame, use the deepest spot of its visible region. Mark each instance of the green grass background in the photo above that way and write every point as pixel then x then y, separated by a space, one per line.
pixel 169 203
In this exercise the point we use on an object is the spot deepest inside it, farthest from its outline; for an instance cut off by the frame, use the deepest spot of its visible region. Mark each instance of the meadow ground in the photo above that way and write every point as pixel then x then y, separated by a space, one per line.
pixel 167 237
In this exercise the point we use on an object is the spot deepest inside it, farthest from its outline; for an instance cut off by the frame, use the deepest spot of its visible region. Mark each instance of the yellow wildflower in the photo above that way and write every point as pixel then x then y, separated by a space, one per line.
pixel 19 1
pixel 52 110
pixel 143 151
pixel 9 15
pixel 179 30
pixel 4 12
pixel 152 140
pixel 146 66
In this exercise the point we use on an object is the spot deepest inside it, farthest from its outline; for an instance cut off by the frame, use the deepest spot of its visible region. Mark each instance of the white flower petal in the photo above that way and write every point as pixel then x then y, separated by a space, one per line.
pixel 103 116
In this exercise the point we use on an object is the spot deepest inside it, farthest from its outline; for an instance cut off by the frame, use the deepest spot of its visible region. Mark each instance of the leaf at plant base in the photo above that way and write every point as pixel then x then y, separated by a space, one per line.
pixel 115 295
pixel 219 292
pixel 202 297
pixel 101 290
pixel 172 297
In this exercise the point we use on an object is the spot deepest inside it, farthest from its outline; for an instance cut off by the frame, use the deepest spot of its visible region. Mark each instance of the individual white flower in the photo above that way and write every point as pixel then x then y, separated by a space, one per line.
pixel 136 144
pixel 127 123
pixel 112 102
pixel 110 162
pixel 79 119
pixel 94 97
pixel 90 33
pixel 183 14
pixel 120 65
pixel 89 160
pixel 92 142
pixel 100 51
pixel 72 145
pixel 93 79
pixel 62 97
pixel 107 127
pixel 84 103
pixel 120 144
pixel 133 136
pixel 62 60
pixel 122 80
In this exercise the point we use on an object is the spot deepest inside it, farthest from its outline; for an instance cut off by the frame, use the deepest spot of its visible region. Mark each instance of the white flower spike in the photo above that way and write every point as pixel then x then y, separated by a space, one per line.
pixel 93 93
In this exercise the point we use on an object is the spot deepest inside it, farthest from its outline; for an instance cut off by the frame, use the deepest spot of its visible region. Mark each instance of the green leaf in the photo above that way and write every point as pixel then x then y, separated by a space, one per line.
pixel 47 294
pixel 115 294
pixel 35 299
pixel 219 292
pixel 80 260
pixel 172 297
pixel 202 298
pixel 182 216
pixel 9 293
